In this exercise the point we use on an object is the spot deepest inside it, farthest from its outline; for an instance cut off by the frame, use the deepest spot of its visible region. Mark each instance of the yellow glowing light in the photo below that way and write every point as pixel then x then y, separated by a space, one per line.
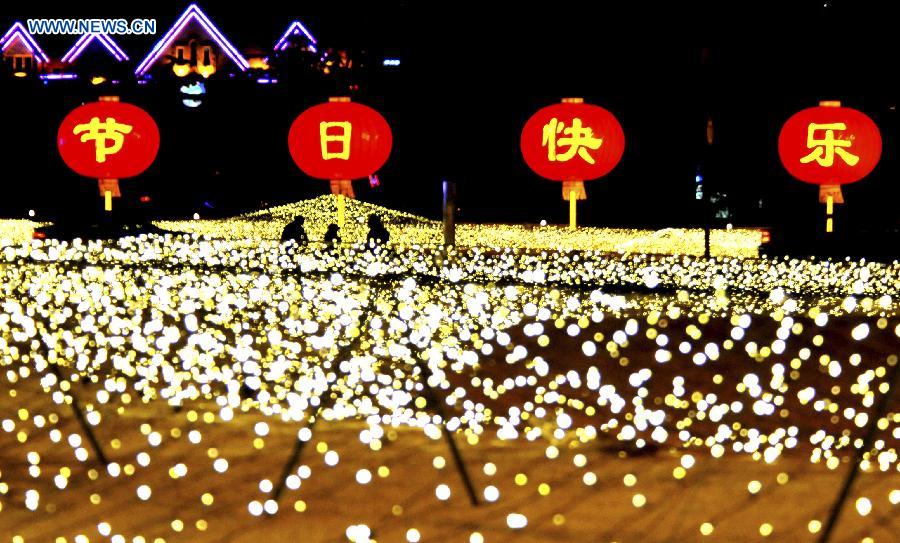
pixel 863 506
pixel 823 150
pixel 577 138
pixel 206 70
pixel 342 137
pixel 225 329
pixel 99 133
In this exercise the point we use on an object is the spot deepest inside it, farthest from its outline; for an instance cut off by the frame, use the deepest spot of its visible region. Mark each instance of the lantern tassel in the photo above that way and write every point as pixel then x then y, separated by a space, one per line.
pixel 576 185
pixel 830 190
pixel 109 185
pixel 343 187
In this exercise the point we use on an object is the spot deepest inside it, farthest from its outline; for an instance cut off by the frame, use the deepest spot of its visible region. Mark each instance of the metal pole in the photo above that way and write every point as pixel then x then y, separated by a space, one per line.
pixel 324 401
pixel 92 439
pixel 449 189
pixel 341 205
pixel 706 238
pixel 871 431
pixel 573 210
pixel 295 454
pixel 448 437
pixel 707 152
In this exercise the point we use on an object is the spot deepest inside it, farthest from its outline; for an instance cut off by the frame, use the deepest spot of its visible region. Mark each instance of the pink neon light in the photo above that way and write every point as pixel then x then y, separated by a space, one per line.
pixel 191 13
pixel 18 30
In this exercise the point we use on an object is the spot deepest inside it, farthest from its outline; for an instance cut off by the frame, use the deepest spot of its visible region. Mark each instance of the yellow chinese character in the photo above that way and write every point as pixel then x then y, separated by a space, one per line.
pixel 100 132
pixel 579 139
pixel 343 137
pixel 823 150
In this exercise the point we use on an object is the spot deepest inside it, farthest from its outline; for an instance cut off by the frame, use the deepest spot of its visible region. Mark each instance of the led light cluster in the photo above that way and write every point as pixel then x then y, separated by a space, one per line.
pixel 710 360
pixel 411 229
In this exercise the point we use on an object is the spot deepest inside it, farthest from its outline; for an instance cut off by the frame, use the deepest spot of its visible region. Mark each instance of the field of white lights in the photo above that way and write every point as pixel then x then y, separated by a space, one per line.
pixel 530 385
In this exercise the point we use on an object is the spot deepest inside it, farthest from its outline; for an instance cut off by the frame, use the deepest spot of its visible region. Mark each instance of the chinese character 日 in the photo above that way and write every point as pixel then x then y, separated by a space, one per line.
pixel 100 133
pixel 577 138
pixel 823 150
pixel 342 137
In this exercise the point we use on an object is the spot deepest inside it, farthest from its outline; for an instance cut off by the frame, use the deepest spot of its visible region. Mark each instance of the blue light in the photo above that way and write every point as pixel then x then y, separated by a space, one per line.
pixel 194 88
pixel 391 62
pixel 698 178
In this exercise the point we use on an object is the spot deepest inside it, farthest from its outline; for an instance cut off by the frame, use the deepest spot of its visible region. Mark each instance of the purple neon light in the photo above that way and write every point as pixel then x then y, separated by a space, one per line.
pixel 79 45
pixel 54 77
pixel 86 39
pixel 113 46
pixel 191 13
pixel 18 30
pixel 292 30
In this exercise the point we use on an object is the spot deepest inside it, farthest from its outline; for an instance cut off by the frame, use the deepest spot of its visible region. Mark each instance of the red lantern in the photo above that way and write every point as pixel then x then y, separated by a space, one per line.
pixel 340 140
pixel 572 142
pixel 108 140
pixel 829 145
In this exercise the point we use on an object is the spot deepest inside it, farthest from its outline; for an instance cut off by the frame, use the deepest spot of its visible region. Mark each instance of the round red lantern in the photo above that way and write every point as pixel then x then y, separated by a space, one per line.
pixel 572 142
pixel 829 145
pixel 108 140
pixel 340 140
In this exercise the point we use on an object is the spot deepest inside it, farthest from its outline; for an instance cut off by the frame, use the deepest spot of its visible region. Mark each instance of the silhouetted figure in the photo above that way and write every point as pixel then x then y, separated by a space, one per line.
pixel 332 235
pixel 294 231
pixel 378 234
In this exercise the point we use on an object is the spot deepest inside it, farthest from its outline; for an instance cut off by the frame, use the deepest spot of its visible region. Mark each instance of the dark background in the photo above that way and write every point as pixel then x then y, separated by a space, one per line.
pixel 470 77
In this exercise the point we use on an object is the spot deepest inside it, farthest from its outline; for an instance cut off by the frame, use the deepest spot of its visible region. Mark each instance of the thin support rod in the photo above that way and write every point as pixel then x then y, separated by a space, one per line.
pixel 448 435
pixel 880 412
pixel 325 399
pixel 79 415
pixel 292 460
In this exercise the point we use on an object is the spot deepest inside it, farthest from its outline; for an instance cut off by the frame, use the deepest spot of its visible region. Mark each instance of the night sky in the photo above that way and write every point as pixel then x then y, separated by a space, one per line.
pixel 469 79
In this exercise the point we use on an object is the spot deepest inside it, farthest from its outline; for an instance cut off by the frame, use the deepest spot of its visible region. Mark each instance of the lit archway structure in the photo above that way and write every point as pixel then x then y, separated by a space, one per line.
pixel 296 28
pixel 21 53
pixel 192 44
pixel 86 40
